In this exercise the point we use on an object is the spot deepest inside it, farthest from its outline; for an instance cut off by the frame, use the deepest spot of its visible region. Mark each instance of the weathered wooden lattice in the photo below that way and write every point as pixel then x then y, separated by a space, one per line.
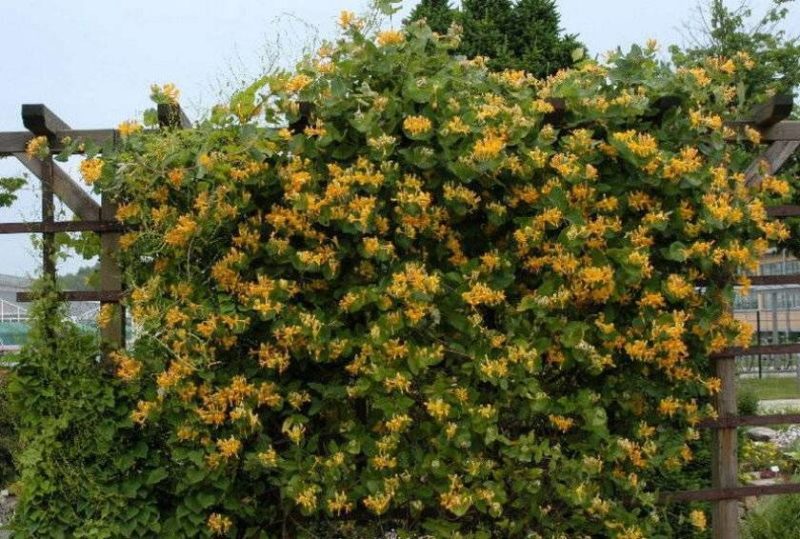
pixel 770 120
pixel 92 217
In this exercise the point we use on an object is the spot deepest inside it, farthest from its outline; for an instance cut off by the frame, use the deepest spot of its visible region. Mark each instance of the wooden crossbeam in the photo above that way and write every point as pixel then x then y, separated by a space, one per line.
pixel 777 109
pixel 41 121
pixel 65 188
pixel 64 226
pixel 750 421
pixel 785 210
pixel 771 160
pixel 785 130
pixel 16 141
pixel 733 493
pixel 106 296
pixel 774 280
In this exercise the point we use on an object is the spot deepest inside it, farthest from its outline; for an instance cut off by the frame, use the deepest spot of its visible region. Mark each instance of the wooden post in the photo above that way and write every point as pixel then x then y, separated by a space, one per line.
pixel 113 334
pixel 48 216
pixel 724 459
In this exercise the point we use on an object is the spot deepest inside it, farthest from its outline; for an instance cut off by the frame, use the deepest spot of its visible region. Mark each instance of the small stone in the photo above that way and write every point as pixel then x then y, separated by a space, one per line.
pixel 761 434
pixel 4 493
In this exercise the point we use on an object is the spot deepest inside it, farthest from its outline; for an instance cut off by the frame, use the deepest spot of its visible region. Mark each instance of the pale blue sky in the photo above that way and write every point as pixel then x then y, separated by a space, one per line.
pixel 92 61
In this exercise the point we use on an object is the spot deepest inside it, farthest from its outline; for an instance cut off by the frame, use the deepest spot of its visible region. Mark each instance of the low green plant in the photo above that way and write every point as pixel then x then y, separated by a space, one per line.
pixel 747 402
pixel 774 518
pixel 8 434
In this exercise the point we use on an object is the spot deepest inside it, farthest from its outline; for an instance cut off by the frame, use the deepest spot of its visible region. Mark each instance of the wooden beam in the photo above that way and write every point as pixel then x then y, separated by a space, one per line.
pixel 16 141
pixel 750 421
pixel 65 188
pixel 778 108
pixel 172 115
pixel 113 333
pixel 774 280
pixel 41 121
pixel 736 493
pixel 724 462
pixel 785 210
pixel 785 130
pixel 109 296
pixel 770 161
pixel 62 226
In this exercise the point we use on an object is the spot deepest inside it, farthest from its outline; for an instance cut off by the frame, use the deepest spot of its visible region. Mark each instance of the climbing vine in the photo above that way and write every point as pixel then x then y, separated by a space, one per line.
pixel 385 290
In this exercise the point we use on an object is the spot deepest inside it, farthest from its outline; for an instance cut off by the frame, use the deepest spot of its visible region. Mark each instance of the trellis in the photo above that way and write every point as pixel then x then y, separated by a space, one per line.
pixel 92 217
pixel 771 120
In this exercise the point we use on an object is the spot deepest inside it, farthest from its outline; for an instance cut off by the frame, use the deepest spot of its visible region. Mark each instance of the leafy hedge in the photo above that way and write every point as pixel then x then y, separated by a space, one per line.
pixel 423 309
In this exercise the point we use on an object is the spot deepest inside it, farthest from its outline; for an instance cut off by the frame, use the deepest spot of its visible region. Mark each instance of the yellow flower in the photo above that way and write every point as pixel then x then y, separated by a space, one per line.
pixel 37 147
pixel 268 458
pixel 481 294
pixel 339 504
pixel 489 147
pixel 417 125
pixel 219 524
pixel 179 235
pixel 229 447
pixel 298 83
pixel 698 519
pixel 438 409
pixel 348 19
pixel 390 37
pixel 129 127
pixel 307 498
pixel 560 422
pixel 168 93
pixel 398 423
pixel 91 170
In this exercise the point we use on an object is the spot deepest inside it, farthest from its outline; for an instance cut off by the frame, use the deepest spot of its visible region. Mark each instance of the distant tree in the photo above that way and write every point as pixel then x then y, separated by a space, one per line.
pixel 718 30
pixel 487 31
pixel 536 38
pixel 523 35
pixel 438 13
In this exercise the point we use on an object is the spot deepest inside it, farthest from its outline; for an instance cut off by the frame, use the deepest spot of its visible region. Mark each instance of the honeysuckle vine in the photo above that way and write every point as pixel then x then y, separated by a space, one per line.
pixel 428 308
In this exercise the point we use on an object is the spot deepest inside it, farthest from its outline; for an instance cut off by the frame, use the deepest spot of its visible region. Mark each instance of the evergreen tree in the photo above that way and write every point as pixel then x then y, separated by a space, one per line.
pixel 536 40
pixel 525 34
pixel 438 13
pixel 487 27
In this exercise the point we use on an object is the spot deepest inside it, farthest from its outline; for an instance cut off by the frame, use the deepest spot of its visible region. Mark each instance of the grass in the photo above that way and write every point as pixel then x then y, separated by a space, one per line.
pixel 772 388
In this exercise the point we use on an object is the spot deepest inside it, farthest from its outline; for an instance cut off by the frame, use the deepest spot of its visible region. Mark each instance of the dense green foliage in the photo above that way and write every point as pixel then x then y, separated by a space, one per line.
pixel 422 308
pixel 84 471
pixel 8 433
pixel 775 518
pixel 525 34
pixel 723 32
pixel 439 14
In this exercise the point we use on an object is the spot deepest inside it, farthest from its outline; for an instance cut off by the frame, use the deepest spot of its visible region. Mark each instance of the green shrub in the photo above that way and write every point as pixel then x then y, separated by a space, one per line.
pixel 774 518
pixel 747 402
pixel 8 433
pixel 423 307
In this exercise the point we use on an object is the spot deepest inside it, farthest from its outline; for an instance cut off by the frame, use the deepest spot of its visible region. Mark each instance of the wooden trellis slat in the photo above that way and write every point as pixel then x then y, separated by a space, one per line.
pixel 773 280
pixel 61 226
pixel 106 296
pixel 17 141
pixel 785 210
pixel 771 160
pixel 750 421
pixel 730 496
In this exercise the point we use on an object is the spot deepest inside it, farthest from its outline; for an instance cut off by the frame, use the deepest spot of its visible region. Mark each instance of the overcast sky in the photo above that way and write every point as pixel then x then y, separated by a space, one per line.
pixel 92 61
